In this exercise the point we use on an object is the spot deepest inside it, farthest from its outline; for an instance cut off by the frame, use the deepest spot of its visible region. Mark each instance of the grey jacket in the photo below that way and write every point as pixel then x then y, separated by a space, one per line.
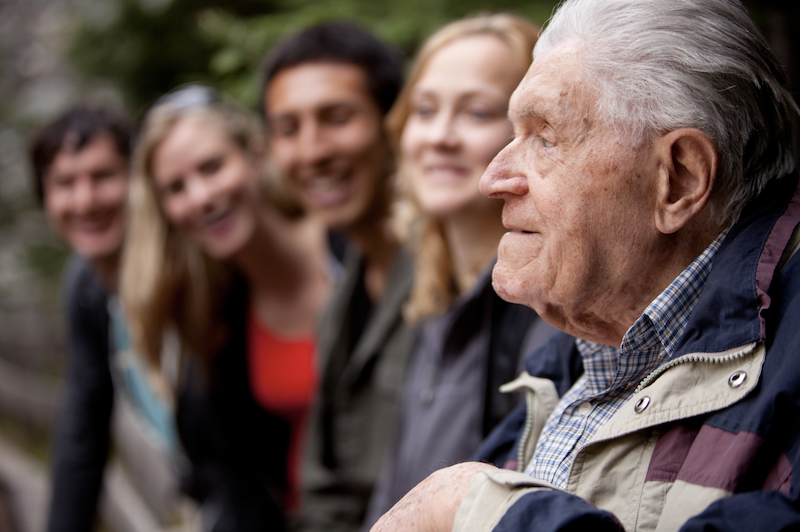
pixel 451 399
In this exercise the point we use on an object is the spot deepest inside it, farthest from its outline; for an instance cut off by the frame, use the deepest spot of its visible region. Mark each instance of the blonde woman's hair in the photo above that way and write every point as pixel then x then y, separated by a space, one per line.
pixel 434 278
pixel 167 283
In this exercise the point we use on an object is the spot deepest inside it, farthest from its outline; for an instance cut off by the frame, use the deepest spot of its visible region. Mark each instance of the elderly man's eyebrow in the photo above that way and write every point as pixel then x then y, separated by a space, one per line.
pixel 535 111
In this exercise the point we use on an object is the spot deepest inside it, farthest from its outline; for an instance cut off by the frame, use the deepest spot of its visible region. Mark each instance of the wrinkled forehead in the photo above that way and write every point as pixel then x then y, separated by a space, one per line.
pixel 554 88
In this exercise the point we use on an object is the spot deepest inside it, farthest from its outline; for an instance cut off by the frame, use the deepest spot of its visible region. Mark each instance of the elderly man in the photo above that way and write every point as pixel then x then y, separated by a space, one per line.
pixel 652 204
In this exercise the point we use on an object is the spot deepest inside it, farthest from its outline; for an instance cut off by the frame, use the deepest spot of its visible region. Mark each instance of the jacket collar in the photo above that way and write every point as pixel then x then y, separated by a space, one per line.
pixel 732 308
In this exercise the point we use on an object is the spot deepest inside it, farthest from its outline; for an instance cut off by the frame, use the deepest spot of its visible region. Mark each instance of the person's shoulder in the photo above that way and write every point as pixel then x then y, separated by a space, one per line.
pixel 75 276
pixel 81 285
pixel 349 274
pixel 403 263
pixel 352 261
pixel 74 268
pixel 400 279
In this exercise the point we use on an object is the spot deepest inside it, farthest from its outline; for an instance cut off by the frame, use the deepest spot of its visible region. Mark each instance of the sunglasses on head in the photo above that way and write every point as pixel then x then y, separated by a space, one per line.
pixel 187 96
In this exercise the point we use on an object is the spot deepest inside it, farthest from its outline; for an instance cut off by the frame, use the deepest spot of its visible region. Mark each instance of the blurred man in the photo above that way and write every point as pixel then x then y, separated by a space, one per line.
pixel 652 209
pixel 326 91
pixel 81 177
pixel 80 164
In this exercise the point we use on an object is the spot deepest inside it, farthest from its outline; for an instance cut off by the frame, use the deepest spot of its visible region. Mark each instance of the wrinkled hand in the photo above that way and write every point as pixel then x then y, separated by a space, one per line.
pixel 433 503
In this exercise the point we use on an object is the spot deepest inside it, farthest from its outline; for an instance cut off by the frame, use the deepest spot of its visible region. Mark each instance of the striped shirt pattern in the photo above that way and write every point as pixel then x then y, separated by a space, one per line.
pixel 612 373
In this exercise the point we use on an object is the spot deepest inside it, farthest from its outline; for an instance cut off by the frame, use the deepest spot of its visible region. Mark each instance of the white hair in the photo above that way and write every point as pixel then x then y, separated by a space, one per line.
pixel 660 65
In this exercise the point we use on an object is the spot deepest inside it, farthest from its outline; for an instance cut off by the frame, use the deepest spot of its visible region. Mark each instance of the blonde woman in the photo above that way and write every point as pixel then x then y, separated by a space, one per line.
pixel 216 256
pixel 448 124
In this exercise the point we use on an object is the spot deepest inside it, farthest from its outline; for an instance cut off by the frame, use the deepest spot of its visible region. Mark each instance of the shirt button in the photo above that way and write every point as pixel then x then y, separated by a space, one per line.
pixel 584 409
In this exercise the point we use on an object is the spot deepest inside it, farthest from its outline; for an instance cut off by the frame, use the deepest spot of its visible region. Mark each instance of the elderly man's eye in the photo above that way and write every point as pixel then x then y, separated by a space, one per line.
pixel 546 143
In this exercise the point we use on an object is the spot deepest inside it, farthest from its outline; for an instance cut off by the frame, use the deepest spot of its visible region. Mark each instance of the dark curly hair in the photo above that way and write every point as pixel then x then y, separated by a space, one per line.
pixel 81 124
pixel 340 41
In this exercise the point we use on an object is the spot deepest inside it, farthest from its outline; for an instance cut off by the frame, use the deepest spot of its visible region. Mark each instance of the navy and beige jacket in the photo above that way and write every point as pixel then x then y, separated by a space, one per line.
pixel 710 440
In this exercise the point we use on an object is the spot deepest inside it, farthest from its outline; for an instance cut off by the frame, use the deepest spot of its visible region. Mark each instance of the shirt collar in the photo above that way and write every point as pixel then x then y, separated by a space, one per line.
pixel 669 312
pixel 654 336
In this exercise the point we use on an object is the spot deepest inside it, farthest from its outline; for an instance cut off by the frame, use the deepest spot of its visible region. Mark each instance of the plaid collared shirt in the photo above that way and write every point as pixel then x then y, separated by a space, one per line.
pixel 612 373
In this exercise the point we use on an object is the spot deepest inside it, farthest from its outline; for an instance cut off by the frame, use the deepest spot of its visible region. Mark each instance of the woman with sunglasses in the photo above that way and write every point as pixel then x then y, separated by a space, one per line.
pixel 219 258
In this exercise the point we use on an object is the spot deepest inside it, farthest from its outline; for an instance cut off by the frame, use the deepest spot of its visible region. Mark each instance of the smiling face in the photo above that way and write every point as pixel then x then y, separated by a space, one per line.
pixel 457 124
pixel 208 186
pixel 579 202
pixel 84 198
pixel 327 138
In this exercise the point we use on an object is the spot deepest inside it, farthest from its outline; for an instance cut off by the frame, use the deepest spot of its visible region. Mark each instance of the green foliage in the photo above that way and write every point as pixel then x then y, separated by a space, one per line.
pixel 9 211
pixel 25 435
pixel 147 52
pixel 241 43
pixel 46 259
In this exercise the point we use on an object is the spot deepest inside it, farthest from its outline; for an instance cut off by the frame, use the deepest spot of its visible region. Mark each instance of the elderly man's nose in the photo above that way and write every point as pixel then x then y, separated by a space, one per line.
pixel 501 178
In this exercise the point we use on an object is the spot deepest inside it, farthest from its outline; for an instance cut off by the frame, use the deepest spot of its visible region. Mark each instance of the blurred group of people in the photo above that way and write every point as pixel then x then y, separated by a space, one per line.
pixel 320 308
pixel 299 304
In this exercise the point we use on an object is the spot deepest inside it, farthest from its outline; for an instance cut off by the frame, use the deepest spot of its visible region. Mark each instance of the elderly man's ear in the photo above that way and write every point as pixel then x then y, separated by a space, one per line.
pixel 687 171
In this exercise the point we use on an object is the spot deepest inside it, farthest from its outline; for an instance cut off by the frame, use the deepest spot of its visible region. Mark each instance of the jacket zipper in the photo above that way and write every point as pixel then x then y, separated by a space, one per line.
pixel 526 432
pixel 694 357
pixel 647 381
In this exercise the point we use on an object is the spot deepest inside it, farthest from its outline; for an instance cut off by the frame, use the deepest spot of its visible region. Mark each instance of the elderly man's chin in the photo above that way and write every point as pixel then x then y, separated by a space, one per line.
pixel 513 284
pixel 515 274
pixel 518 277
pixel 510 292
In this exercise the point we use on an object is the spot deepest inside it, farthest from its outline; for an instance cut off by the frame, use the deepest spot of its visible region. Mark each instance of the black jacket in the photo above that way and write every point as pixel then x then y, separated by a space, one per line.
pixel 81 445
pixel 236 450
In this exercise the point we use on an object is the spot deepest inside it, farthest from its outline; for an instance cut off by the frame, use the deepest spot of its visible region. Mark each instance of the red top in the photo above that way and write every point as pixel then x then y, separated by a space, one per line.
pixel 283 378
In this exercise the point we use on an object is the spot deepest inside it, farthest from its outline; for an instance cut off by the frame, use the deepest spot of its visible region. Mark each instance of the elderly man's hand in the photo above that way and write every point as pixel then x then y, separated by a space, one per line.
pixel 432 505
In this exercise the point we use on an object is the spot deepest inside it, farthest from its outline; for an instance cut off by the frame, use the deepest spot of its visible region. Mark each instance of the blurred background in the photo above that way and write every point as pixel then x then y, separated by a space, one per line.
pixel 54 53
